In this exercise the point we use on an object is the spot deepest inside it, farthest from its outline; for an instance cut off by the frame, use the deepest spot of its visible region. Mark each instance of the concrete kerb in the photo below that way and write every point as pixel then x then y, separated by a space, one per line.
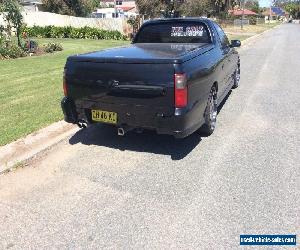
pixel 14 154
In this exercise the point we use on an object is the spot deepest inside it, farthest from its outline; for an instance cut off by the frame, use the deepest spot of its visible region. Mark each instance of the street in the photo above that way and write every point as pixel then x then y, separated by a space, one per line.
pixel 97 190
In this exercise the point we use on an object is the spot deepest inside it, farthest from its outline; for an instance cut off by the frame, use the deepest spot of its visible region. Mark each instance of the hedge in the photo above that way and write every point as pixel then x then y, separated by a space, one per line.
pixel 70 32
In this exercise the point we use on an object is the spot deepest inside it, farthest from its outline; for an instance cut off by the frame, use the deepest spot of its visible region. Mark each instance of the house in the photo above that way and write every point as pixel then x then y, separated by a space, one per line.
pixel 114 13
pixel 32 5
pixel 106 13
pixel 275 13
pixel 118 3
pixel 239 13
pixel 116 9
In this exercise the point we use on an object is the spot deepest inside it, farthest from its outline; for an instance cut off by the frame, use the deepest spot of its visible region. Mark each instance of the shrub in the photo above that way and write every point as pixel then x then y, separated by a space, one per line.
pixel 253 20
pixel 70 32
pixel 12 51
pixel 52 47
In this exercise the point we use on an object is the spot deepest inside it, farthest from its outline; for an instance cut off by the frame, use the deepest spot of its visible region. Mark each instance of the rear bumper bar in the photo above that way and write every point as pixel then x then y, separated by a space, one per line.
pixel 181 125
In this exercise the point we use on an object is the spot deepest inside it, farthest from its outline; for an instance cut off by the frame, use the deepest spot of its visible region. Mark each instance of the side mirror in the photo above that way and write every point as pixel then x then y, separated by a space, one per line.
pixel 235 43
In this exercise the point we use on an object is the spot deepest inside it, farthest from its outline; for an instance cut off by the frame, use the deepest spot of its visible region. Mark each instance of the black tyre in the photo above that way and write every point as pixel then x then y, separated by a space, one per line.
pixel 236 77
pixel 211 113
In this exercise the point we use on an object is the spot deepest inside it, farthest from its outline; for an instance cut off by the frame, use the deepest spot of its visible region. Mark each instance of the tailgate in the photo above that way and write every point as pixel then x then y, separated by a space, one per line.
pixel 122 87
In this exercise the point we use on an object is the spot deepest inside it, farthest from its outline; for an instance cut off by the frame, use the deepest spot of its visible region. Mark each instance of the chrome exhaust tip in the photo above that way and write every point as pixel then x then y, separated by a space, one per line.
pixel 121 132
pixel 82 124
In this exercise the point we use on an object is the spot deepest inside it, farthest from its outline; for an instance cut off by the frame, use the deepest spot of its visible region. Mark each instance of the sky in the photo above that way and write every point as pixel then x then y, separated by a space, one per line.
pixel 264 3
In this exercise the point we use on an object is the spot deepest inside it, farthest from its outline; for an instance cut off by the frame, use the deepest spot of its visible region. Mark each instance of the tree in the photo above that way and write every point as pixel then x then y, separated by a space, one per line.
pixel 171 8
pixel 13 17
pixel 134 22
pixel 252 5
pixel 184 7
pixel 81 8
pixel 150 9
pixel 217 8
pixel 198 7
pixel 293 9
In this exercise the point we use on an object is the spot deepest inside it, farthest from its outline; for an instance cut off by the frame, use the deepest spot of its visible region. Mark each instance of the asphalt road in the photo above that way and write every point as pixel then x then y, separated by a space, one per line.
pixel 97 190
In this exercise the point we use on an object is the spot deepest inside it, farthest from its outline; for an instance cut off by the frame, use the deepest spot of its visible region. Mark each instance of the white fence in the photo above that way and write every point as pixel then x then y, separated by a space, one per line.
pixel 46 18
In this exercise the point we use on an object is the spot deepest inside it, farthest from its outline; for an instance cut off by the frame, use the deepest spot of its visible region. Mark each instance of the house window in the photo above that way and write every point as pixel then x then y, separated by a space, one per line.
pixel 115 15
pixel 119 2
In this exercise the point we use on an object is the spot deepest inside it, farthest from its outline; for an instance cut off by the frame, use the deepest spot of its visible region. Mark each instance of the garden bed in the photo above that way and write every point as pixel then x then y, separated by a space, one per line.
pixel 12 51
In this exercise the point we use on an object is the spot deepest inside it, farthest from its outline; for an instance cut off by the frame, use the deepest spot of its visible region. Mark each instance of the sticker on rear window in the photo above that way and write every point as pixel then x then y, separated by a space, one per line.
pixel 190 31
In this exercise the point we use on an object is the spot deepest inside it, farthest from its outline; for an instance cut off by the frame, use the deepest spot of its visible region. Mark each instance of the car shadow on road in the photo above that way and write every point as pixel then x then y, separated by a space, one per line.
pixel 102 135
pixel 149 141
pixel 221 105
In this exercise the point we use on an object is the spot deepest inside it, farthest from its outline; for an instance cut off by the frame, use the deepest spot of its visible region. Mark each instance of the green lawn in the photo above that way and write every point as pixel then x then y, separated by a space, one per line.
pixel 31 88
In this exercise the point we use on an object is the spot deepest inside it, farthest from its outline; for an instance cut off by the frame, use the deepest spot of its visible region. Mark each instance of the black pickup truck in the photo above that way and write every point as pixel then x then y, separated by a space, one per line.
pixel 171 79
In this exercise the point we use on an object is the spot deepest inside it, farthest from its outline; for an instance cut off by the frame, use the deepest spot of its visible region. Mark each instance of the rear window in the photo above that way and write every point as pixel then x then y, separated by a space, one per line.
pixel 174 32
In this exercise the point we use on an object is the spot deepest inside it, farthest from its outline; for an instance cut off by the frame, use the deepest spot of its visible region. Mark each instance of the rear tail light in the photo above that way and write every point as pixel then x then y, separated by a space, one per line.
pixel 181 92
pixel 65 84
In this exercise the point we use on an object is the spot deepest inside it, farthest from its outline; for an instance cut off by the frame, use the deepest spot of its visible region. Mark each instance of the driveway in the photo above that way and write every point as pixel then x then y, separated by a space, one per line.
pixel 98 190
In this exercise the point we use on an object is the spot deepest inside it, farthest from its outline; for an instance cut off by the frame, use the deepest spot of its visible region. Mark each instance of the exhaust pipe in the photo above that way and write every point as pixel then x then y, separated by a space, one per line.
pixel 121 132
pixel 82 124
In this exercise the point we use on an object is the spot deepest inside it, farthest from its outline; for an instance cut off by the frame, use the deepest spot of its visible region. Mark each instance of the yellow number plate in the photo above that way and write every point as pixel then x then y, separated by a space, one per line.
pixel 104 116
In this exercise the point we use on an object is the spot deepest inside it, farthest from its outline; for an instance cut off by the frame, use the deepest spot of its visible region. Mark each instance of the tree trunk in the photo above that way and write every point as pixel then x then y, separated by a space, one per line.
pixel 19 37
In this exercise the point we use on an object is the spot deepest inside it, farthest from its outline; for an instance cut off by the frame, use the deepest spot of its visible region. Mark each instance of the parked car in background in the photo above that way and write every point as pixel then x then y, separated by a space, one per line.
pixel 171 79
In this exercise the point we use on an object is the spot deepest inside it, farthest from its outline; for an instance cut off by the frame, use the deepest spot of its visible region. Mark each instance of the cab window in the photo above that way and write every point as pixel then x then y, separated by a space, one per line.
pixel 174 32
pixel 222 36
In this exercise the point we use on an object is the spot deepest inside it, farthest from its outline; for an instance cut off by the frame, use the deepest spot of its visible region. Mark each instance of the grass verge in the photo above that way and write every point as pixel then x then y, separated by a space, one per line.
pixel 31 87
pixel 237 37
pixel 250 29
